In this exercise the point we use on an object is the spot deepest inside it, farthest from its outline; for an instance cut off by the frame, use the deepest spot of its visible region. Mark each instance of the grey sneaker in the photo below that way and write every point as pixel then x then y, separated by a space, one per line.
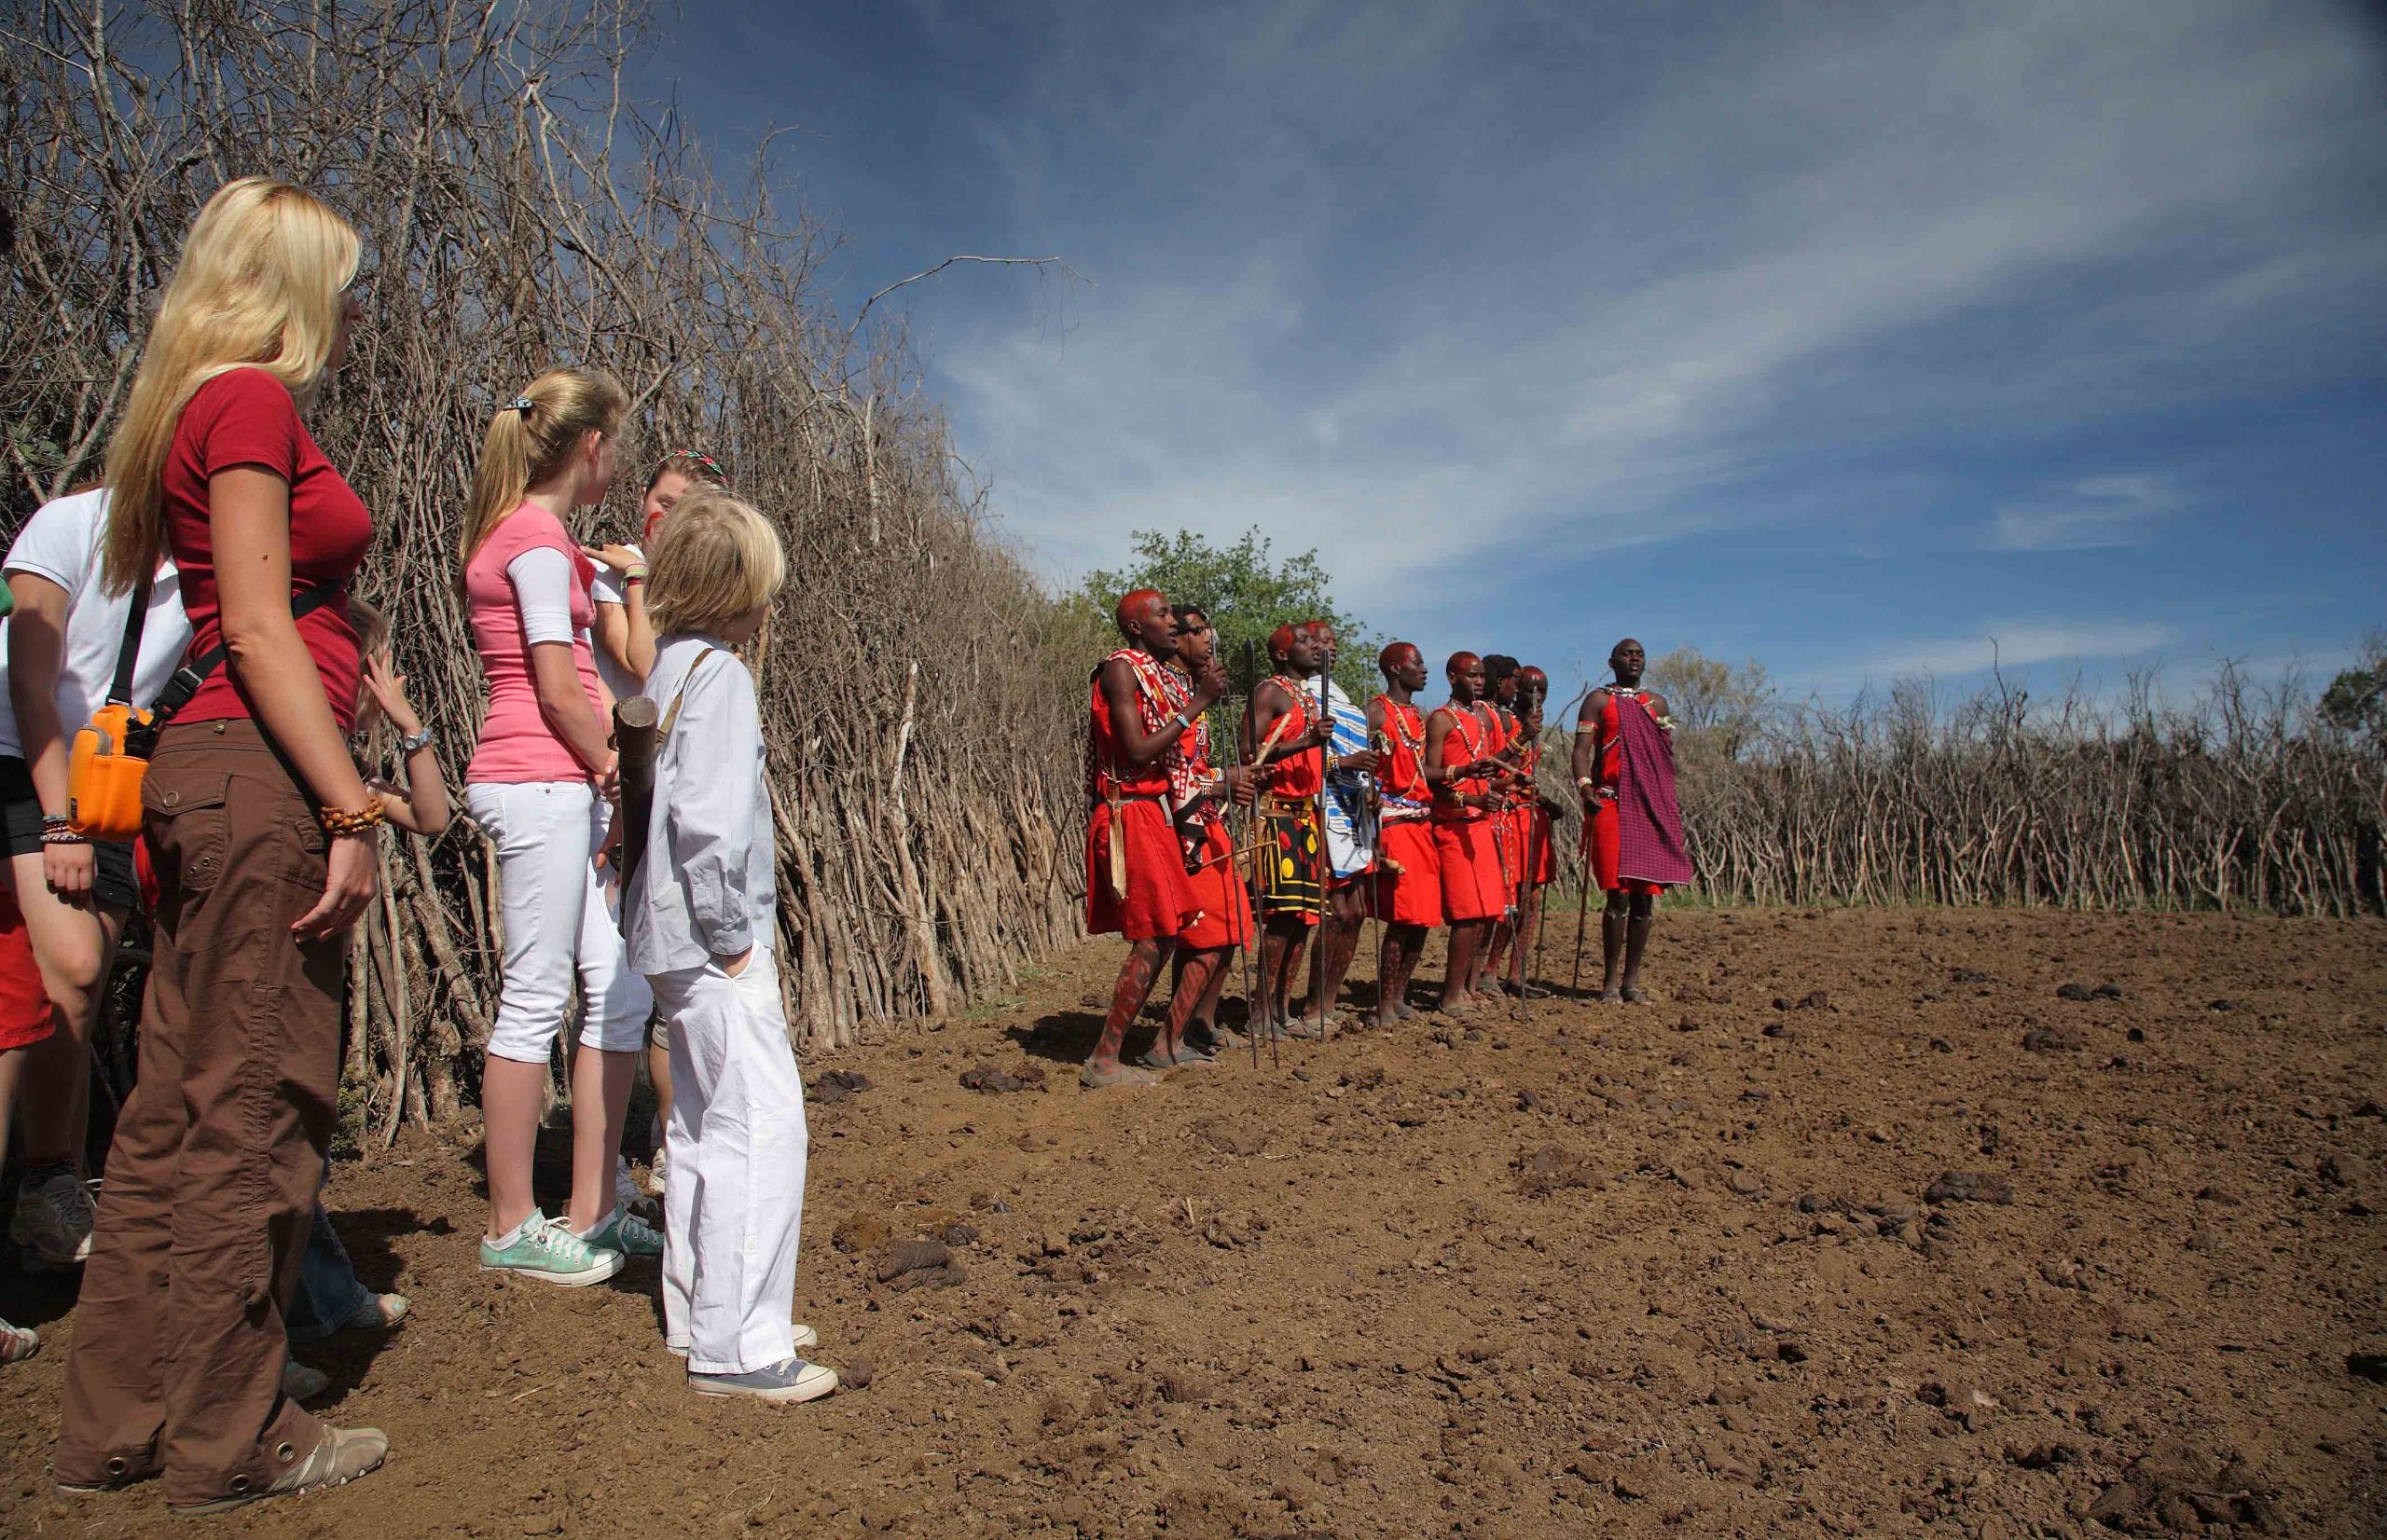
pixel 548 1250
pixel 793 1381
pixel 345 1454
pixel 301 1382
pixel 627 1233
pixel 53 1217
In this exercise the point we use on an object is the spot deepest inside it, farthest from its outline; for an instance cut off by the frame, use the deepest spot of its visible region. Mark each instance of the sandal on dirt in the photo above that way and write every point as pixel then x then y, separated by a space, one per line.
pixel 1309 1029
pixel 1635 996
pixel 1611 996
pixel 1123 1074
pixel 1160 1064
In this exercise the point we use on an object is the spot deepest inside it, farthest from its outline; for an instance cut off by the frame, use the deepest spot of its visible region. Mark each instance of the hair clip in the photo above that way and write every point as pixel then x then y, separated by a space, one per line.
pixel 520 404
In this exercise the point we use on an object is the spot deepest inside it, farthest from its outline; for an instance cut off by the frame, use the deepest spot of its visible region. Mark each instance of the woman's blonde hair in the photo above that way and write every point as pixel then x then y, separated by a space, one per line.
pixel 531 437
pixel 714 560
pixel 259 286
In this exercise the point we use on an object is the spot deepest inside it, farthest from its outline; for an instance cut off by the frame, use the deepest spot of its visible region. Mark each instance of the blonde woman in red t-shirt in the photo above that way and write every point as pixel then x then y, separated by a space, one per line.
pixel 263 836
pixel 533 786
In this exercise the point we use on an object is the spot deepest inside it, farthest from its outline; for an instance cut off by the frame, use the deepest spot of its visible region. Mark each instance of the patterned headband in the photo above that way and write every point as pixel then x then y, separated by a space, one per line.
pixel 699 459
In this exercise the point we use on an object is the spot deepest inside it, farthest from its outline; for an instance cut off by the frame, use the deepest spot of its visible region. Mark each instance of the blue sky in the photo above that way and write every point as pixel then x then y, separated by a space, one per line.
pixel 1846 337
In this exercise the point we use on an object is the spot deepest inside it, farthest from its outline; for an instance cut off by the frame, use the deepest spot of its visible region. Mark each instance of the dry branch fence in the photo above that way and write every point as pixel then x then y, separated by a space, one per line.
pixel 2243 798
pixel 518 211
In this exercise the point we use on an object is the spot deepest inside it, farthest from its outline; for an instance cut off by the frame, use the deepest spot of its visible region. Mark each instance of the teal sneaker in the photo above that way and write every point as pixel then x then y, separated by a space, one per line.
pixel 627 1233
pixel 548 1250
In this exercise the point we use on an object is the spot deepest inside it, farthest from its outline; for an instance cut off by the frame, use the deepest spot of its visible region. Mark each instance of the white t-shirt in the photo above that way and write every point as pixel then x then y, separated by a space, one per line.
pixel 608 588
pixel 62 542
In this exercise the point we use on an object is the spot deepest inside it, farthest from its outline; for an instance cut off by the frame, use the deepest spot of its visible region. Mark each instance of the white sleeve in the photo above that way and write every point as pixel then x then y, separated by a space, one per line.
pixel 58 541
pixel 607 588
pixel 541 579
pixel 710 823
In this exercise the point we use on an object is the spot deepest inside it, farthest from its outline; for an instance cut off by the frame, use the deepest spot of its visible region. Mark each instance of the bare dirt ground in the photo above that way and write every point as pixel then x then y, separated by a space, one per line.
pixel 1698 1268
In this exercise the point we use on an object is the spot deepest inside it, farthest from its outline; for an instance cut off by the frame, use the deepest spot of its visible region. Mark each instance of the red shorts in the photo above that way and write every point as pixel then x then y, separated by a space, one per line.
pixel 1226 902
pixel 1160 899
pixel 1472 888
pixel 24 1007
pixel 1599 835
pixel 1413 894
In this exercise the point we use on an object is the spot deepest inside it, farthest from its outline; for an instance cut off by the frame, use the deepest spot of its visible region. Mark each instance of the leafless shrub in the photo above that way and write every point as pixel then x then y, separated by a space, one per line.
pixel 2249 796
pixel 921 699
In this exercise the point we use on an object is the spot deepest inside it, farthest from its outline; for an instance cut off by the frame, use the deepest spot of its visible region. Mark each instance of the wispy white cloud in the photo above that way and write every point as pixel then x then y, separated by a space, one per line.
pixel 2019 643
pixel 2091 514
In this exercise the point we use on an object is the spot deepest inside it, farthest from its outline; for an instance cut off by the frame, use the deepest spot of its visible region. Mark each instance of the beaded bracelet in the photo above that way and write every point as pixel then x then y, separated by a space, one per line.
pixel 364 821
pixel 634 574
pixel 61 835
pixel 55 821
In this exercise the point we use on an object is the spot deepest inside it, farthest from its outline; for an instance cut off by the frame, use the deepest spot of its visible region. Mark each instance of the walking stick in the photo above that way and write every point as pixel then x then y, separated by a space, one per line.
pixel 1325 859
pixel 1524 893
pixel 1259 762
pixel 1575 985
pixel 635 733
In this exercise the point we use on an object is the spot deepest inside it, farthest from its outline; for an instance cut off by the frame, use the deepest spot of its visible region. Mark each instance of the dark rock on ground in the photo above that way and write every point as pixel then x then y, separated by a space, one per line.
pixel 1968 1187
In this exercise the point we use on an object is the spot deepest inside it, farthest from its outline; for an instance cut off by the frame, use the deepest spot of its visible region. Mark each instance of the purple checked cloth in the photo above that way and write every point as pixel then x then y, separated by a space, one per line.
pixel 1649 820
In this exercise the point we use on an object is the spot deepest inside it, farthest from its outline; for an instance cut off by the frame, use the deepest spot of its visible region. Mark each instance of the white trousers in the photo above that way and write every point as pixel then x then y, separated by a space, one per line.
pixel 559 920
pixel 733 1197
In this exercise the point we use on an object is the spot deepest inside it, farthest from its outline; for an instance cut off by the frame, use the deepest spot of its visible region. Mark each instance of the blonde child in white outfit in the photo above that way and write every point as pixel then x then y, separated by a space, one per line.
pixel 702 911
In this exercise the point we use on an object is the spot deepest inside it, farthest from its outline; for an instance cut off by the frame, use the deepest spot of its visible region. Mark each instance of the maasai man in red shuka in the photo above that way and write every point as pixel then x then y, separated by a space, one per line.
pixel 1135 869
pixel 1284 741
pixel 1207 946
pixel 1534 815
pixel 1458 747
pixel 1409 874
pixel 1498 711
pixel 1624 769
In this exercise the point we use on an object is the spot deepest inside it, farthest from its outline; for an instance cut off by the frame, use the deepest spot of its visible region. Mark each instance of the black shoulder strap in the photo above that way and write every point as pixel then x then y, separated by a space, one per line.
pixel 192 674
pixel 128 653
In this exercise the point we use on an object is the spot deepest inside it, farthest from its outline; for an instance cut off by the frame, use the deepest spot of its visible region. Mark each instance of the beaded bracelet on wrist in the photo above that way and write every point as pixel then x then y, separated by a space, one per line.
pixel 54 820
pixel 364 821
pixel 62 835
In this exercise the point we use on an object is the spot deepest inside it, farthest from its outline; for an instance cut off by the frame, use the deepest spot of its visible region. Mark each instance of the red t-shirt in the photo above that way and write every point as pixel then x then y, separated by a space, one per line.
pixel 246 417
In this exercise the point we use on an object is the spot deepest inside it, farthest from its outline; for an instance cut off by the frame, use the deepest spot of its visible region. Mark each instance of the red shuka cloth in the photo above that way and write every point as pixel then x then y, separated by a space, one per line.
pixel 1603 830
pixel 1218 886
pixel 1293 775
pixel 1412 895
pixel 1649 842
pixel 1472 888
pixel 1160 899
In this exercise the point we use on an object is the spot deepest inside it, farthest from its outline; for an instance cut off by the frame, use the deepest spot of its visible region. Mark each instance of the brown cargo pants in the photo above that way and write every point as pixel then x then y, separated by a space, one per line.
pixel 179 1338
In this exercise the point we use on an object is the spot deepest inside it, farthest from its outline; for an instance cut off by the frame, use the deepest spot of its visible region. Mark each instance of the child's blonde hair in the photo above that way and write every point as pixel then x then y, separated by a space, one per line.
pixel 533 436
pixel 259 286
pixel 372 628
pixel 714 560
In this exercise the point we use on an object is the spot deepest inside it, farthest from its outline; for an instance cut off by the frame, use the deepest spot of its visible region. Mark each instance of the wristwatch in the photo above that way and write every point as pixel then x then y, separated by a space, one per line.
pixel 415 742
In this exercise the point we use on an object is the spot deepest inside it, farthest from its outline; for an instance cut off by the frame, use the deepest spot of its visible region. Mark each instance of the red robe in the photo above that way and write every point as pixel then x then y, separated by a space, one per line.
pixel 1599 829
pixel 1160 900
pixel 1405 837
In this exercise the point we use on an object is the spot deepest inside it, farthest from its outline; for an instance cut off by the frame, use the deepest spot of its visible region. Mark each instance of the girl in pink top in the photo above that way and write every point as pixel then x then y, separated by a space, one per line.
pixel 536 785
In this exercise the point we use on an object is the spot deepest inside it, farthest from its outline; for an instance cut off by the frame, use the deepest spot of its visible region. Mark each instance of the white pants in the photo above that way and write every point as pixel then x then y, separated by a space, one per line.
pixel 733 1198
pixel 560 919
